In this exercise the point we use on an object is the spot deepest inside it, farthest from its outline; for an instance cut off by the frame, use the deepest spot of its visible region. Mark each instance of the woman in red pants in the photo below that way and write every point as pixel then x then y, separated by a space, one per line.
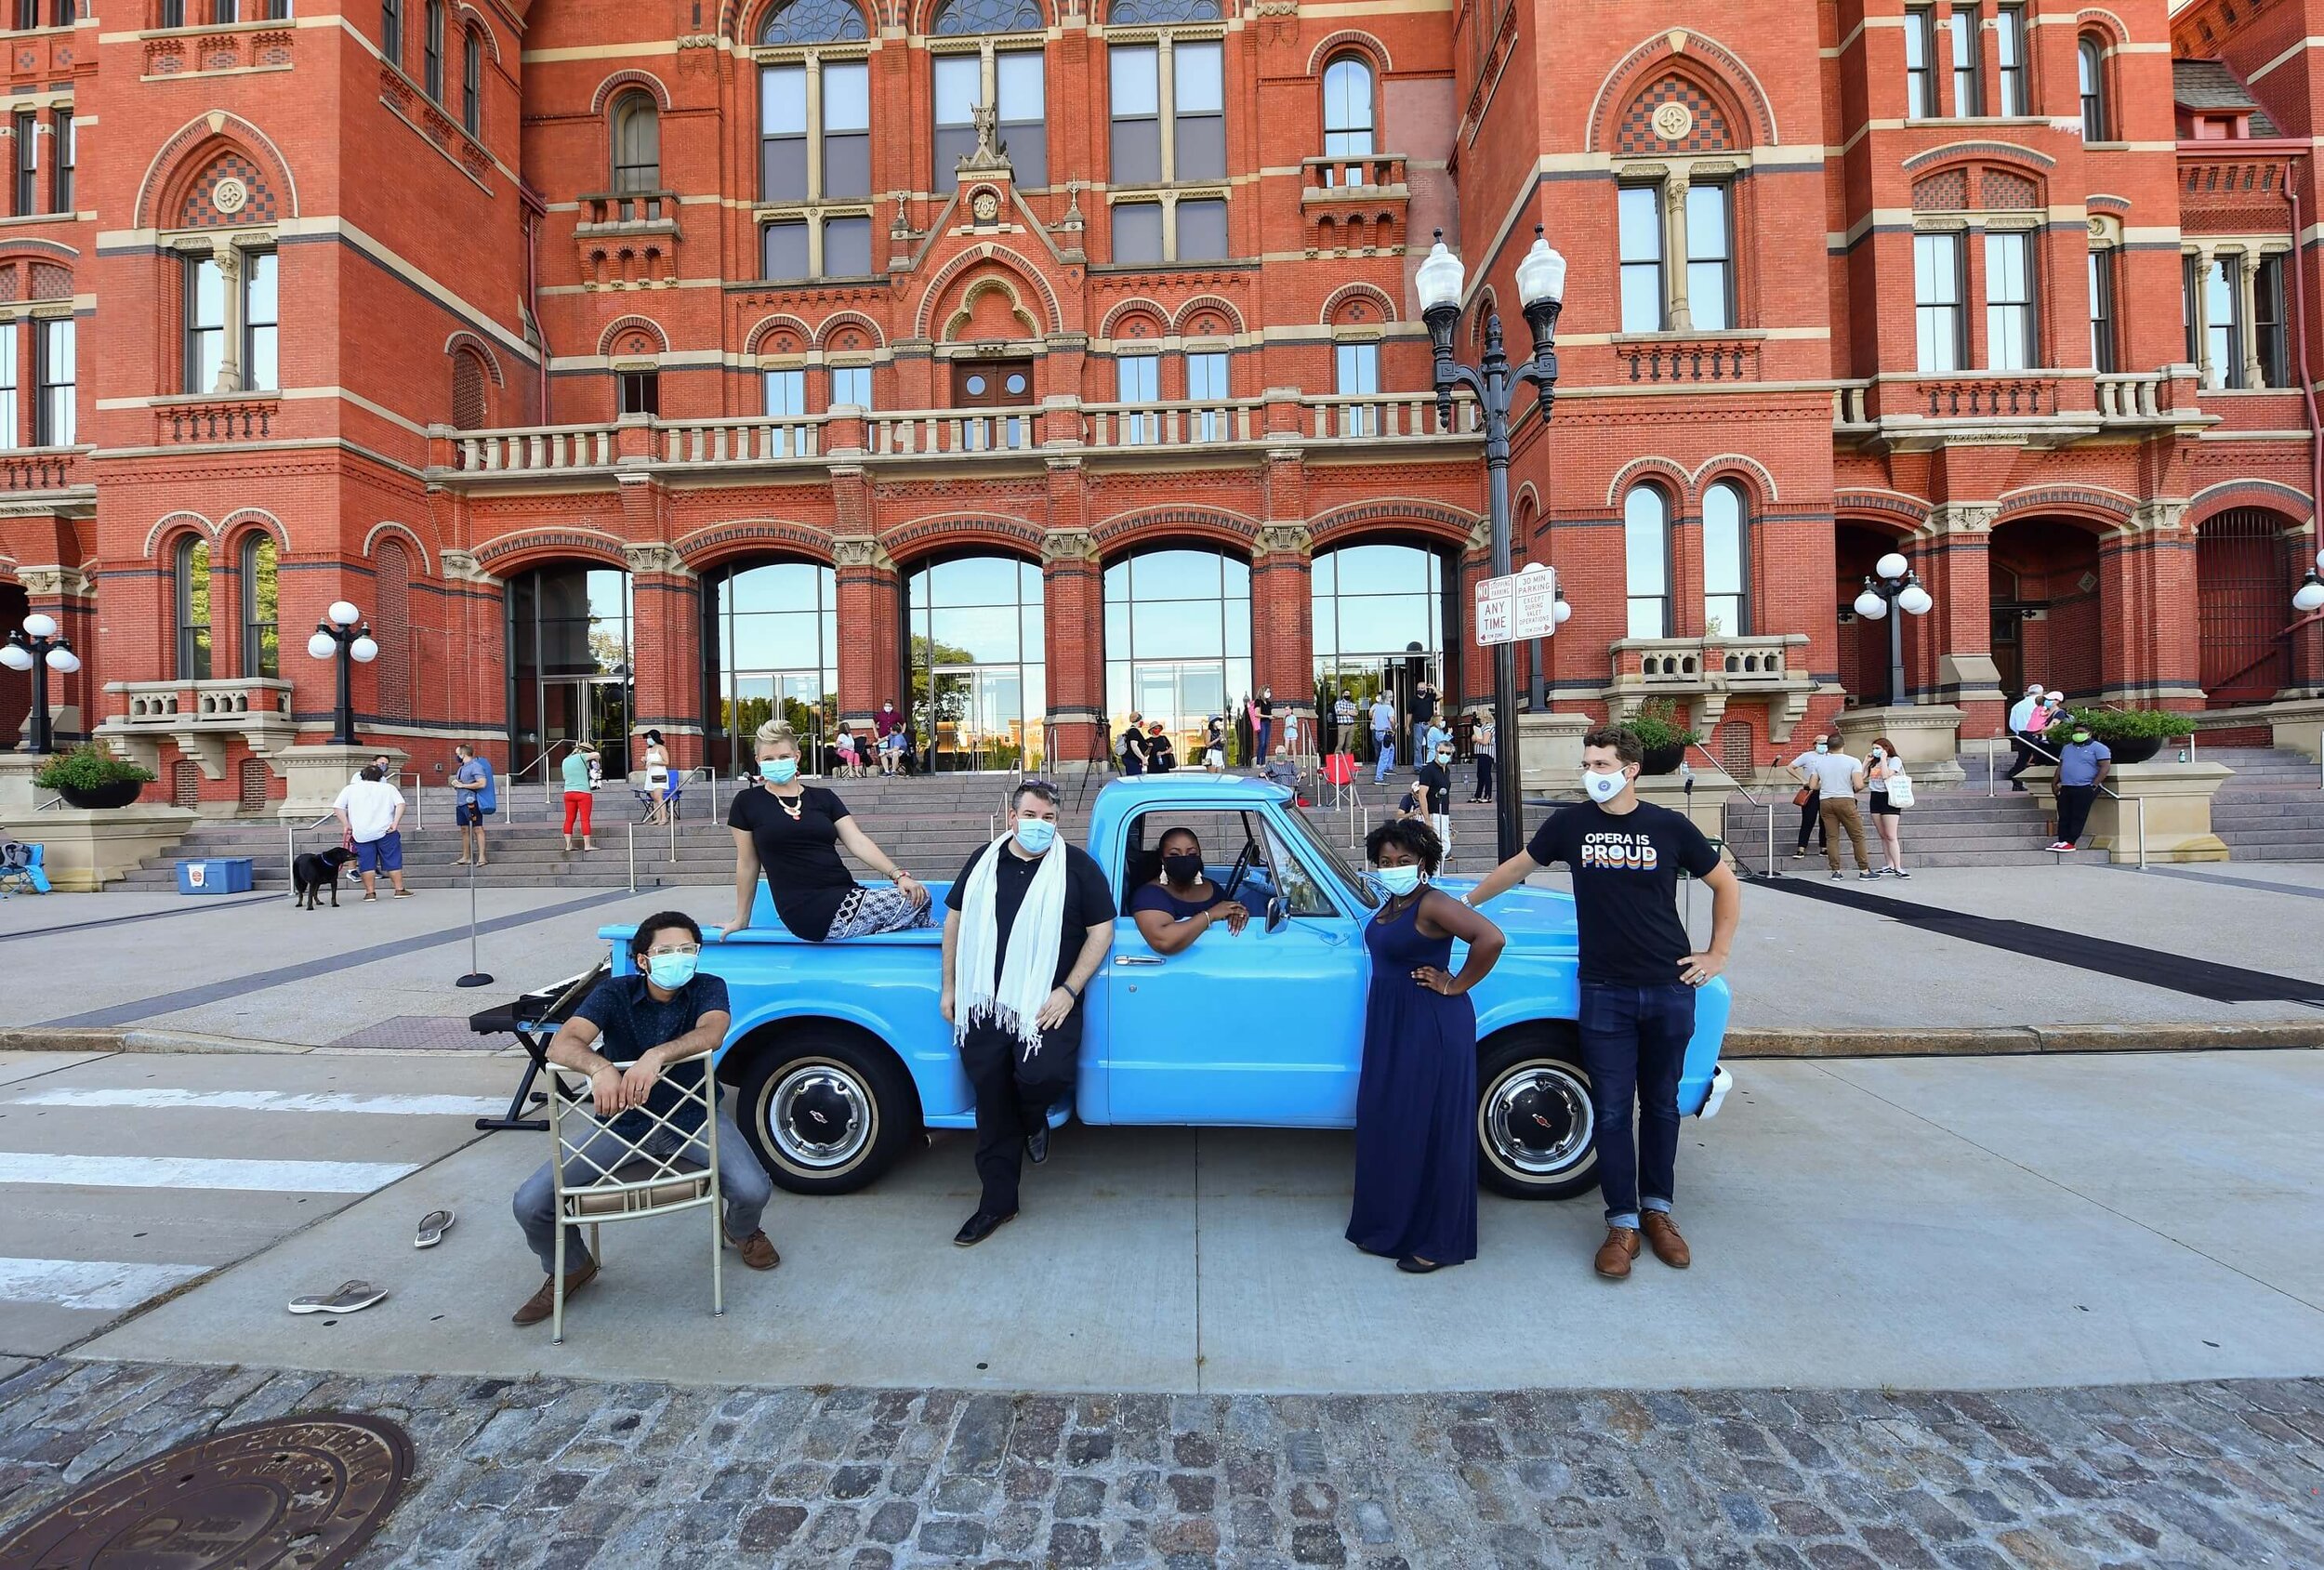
pixel 576 766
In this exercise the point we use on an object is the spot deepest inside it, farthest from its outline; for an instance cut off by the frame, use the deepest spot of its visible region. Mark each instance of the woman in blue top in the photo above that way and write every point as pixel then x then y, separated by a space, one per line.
pixel 1415 1147
pixel 1184 904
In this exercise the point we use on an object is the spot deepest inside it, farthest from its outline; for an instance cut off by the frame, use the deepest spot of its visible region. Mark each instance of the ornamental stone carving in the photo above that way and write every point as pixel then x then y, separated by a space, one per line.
pixel 54 582
pixel 459 567
pixel 656 557
pixel 1963 518
pixel 1068 544
pixel 1284 539
pixel 2159 517
pixel 859 552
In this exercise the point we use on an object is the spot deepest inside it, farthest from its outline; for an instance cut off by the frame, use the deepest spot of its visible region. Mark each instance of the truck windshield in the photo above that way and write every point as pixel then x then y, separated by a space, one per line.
pixel 1319 844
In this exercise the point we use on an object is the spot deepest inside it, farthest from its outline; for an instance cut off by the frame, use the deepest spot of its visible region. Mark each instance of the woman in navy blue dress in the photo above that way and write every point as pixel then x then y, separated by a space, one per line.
pixel 1416 1146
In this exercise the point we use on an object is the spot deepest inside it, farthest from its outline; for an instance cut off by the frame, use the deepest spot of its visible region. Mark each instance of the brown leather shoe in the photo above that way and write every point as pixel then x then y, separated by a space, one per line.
pixel 539 1305
pixel 758 1252
pixel 1615 1253
pixel 1662 1235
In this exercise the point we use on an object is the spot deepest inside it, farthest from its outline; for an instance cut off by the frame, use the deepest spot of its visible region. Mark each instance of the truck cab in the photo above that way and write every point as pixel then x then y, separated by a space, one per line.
pixel 839 1057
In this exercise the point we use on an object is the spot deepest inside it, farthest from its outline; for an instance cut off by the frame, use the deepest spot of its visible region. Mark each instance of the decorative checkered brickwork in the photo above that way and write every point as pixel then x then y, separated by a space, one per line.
pixel 51 282
pixel 1640 138
pixel 2001 191
pixel 1947 192
pixel 200 212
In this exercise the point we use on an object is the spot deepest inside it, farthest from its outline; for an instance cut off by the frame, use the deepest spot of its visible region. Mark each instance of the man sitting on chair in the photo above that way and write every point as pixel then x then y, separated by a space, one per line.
pixel 629 1034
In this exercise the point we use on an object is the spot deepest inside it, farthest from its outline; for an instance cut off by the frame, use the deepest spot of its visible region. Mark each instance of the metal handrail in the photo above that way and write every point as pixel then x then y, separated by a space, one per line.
pixel 2038 748
pixel 290 846
pixel 548 795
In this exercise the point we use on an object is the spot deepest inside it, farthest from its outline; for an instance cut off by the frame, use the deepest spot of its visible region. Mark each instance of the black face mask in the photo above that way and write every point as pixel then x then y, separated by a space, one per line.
pixel 1182 866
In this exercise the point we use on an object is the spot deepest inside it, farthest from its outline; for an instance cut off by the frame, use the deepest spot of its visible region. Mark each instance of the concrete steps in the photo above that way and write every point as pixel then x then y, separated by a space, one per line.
pixel 1945 828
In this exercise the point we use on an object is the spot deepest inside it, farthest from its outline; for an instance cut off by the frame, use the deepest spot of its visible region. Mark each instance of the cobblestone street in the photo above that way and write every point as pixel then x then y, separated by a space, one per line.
pixel 557 1474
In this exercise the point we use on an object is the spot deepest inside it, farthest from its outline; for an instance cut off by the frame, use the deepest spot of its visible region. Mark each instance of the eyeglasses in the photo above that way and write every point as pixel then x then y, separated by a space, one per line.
pixel 688 949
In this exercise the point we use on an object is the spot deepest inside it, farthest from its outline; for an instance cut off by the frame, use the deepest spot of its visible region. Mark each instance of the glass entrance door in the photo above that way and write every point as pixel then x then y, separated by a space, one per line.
pixel 1365 680
pixel 975 719
pixel 1183 695
pixel 793 697
pixel 584 709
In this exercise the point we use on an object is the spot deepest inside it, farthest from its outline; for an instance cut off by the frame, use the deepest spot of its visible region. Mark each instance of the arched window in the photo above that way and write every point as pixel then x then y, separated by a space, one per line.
pixel 1157 13
pixel 431 77
pixel 812 21
pixel 468 376
pixel 1646 561
pixel 1348 108
pixel 636 144
pixel 1726 561
pixel 191 581
pixel 2090 56
pixel 261 634
pixel 959 18
pixel 472 82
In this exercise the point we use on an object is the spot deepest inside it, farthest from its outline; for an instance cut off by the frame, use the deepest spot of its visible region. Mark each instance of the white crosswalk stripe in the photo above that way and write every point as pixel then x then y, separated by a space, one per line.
pixel 189 1172
pixel 104 1284
pixel 156 1099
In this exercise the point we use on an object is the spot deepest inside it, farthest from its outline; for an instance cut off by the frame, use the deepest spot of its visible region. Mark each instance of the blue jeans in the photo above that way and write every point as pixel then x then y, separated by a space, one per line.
pixel 1634 1043
pixel 1266 734
pixel 1384 746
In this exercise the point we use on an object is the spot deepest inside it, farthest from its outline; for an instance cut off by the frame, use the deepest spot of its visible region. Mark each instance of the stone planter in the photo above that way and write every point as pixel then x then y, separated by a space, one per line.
pixel 1663 760
pixel 104 797
pixel 1548 751
pixel 1927 736
pixel 85 850
pixel 2176 808
pixel 1705 806
pixel 2136 749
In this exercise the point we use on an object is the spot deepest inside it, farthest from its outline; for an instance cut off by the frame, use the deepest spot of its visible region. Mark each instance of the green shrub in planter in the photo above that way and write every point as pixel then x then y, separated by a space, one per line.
pixel 2123 724
pixel 1661 736
pixel 89 767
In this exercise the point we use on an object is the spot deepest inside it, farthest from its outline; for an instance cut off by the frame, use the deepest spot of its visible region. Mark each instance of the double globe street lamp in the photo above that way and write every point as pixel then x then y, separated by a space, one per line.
pixel 345 635
pixel 2309 597
pixel 40 648
pixel 1893 582
pixel 1541 291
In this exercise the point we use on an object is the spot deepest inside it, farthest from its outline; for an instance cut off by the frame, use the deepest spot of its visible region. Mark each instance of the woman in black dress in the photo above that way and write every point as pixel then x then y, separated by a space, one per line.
pixel 792 831
pixel 1416 1145
pixel 1160 757
pixel 1132 747
pixel 1182 904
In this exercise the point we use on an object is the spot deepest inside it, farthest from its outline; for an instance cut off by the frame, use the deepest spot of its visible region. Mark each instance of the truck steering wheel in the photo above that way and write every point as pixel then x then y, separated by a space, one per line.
pixel 1242 865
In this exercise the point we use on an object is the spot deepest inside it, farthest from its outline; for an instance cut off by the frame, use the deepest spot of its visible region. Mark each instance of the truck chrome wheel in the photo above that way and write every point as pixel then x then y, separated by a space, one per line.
pixel 1538 1120
pixel 818 1116
pixel 1535 1122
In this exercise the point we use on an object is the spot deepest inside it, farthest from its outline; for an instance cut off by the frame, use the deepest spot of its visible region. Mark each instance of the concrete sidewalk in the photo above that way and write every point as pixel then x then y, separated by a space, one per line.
pixel 1809 977
pixel 1940 1223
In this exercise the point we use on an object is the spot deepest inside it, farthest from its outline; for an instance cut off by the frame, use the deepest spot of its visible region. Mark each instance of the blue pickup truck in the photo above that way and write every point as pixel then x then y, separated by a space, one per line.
pixel 839 1058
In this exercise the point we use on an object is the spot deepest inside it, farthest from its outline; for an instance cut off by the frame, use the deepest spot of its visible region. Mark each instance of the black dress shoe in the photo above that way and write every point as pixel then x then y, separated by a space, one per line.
pixel 1412 1264
pixel 1036 1144
pixel 979 1227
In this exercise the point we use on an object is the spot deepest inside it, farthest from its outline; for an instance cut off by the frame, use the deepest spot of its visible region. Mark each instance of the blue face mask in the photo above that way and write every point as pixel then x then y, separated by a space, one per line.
pixel 670 971
pixel 1036 835
pixel 778 770
pixel 1398 880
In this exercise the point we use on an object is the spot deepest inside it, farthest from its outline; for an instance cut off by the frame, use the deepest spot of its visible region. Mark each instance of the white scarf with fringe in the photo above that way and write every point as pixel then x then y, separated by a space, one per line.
pixel 1028 971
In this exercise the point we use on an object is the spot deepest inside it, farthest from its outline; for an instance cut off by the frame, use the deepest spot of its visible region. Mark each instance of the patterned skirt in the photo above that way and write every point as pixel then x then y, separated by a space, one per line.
pixel 887 909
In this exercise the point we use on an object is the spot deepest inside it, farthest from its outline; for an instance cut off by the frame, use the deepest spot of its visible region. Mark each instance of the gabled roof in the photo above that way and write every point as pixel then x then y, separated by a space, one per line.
pixel 2209 86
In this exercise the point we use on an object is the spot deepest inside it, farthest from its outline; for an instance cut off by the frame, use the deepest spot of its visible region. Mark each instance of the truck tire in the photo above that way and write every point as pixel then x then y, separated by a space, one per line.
pixel 1535 1122
pixel 828 1110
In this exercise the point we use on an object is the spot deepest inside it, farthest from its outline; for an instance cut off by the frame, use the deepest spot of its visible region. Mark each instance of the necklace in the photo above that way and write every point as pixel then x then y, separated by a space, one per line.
pixel 792 805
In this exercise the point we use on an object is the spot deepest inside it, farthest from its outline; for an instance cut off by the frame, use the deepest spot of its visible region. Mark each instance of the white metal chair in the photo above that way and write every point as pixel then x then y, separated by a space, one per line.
pixel 603 1176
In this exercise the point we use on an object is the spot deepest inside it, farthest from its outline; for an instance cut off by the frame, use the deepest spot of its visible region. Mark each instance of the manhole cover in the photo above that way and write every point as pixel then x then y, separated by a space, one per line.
pixel 296 1494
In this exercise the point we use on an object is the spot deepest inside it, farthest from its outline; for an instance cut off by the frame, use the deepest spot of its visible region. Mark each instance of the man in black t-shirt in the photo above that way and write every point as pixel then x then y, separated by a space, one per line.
pixel 1424 715
pixel 1021 1050
pixel 1639 973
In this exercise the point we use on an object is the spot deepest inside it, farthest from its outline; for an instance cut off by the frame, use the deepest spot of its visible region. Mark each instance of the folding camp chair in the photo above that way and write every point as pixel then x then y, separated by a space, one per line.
pixel 602 1175
pixel 672 793
pixel 23 869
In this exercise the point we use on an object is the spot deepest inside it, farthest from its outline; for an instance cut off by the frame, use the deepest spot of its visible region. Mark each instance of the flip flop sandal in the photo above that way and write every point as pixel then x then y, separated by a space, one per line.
pixel 352 1296
pixel 432 1226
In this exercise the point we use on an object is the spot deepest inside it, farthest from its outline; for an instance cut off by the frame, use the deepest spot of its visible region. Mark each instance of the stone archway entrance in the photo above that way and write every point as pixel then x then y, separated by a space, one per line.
pixel 2049 610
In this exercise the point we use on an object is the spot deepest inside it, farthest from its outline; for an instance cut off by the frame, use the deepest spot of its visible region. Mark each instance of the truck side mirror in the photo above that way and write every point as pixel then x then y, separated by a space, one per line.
pixel 1278 915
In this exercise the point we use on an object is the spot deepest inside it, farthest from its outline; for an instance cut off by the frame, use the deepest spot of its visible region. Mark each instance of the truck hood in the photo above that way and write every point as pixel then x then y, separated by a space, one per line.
pixel 1538 920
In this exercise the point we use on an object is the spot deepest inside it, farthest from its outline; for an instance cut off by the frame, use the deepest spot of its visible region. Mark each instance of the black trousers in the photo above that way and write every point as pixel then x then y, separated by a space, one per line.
pixel 1485 776
pixel 1013 1096
pixel 2074 804
pixel 1812 818
pixel 2022 744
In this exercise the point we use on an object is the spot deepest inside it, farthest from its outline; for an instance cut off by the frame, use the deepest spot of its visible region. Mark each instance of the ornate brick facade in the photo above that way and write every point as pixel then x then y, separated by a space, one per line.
pixel 434 300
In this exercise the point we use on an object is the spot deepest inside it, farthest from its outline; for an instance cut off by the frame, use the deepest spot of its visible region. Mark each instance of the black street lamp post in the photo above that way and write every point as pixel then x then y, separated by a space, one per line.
pixel 1542 290
pixel 345 637
pixel 1893 582
pixel 40 648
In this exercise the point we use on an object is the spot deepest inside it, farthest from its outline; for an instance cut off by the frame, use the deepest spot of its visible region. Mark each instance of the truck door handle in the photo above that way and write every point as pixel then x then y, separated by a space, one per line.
pixel 1136 960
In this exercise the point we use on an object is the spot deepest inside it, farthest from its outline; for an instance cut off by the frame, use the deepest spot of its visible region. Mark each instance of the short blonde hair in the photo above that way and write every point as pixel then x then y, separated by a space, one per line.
pixel 777 734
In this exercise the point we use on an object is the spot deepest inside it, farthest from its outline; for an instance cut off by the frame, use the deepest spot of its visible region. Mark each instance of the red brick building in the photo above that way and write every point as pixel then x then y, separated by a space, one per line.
pixel 675 365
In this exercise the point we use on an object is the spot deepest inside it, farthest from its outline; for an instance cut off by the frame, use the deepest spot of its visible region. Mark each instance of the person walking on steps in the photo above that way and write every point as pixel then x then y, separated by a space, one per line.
pixel 1030 921
pixel 2083 764
pixel 1638 973
pixel 578 768
pixel 2024 725
pixel 1416 1148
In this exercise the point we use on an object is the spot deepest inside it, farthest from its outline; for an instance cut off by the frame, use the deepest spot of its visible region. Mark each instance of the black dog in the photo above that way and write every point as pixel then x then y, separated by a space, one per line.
pixel 313 873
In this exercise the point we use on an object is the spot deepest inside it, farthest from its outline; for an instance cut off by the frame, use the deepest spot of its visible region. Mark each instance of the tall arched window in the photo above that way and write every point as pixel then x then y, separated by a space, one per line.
pixel 2090 57
pixel 636 144
pixel 472 82
pixel 1646 561
pixel 468 399
pixel 431 77
pixel 1726 561
pixel 1348 108
pixel 191 581
pixel 261 634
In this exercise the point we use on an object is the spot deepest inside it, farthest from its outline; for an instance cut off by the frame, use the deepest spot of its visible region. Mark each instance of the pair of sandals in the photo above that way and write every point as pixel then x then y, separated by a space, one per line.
pixel 352 1297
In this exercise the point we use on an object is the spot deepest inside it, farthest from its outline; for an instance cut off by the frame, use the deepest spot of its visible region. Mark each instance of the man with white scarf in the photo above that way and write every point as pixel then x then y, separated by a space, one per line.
pixel 1029 922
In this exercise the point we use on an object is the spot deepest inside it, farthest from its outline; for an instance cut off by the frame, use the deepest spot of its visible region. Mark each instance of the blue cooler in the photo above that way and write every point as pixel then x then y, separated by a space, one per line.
pixel 215 875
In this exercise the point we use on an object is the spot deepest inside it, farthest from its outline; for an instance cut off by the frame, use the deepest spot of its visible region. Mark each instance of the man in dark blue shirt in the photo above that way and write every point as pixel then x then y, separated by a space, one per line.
pixel 640 1040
